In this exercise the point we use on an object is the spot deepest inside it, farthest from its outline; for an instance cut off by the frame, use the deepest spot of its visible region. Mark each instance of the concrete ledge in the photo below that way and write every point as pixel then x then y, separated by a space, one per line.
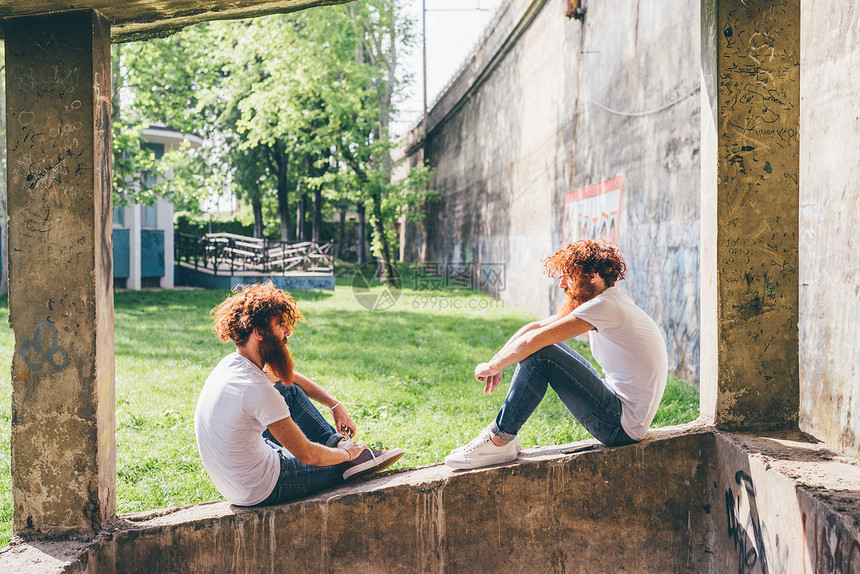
pixel 784 502
pixel 687 499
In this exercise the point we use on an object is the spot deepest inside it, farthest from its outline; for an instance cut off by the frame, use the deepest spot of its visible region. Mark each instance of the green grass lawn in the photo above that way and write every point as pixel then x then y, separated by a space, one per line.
pixel 405 375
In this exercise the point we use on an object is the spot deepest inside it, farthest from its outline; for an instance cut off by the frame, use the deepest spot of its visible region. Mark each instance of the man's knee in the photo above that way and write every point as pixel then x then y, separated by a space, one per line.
pixel 542 353
pixel 289 392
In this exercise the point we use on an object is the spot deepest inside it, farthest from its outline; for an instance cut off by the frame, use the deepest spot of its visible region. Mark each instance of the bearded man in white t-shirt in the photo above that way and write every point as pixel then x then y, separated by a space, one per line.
pixel 626 343
pixel 260 437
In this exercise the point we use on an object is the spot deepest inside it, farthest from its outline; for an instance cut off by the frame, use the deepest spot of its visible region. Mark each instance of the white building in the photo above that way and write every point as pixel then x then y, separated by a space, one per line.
pixel 143 234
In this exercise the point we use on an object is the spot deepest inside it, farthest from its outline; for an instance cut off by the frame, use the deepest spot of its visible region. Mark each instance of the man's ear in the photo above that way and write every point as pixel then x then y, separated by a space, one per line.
pixel 258 333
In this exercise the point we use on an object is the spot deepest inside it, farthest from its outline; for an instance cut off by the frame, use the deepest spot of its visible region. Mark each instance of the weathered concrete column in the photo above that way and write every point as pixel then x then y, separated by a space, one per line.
pixel 750 202
pixel 60 272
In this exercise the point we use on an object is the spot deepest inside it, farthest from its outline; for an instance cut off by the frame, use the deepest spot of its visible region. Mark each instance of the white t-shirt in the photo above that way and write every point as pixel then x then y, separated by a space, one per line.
pixel 236 405
pixel 632 352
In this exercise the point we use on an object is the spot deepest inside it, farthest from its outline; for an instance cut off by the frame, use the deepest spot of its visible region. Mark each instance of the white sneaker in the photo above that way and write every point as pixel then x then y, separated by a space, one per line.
pixel 481 451
pixel 465 446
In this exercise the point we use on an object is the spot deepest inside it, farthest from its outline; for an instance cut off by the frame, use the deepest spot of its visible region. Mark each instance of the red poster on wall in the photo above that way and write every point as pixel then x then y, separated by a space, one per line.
pixel 593 212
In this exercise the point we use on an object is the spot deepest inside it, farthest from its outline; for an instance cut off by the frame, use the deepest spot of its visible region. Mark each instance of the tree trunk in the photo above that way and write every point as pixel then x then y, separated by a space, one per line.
pixel 362 227
pixel 384 250
pixel 384 254
pixel 341 231
pixel 300 214
pixel 283 197
pixel 257 205
pixel 317 216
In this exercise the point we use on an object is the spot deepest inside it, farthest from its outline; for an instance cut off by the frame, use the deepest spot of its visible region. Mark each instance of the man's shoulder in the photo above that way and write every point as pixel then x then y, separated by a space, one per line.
pixel 616 296
pixel 605 309
pixel 608 297
pixel 235 369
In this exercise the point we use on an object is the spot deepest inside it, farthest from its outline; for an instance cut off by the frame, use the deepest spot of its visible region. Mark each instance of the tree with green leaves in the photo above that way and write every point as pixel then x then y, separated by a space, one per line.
pixel 291 102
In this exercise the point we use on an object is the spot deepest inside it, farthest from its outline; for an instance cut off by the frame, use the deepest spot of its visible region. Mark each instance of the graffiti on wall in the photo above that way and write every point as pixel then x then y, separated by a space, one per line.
pixel 831 547
pixel 744 526
pixel 826 546
pixel 593 211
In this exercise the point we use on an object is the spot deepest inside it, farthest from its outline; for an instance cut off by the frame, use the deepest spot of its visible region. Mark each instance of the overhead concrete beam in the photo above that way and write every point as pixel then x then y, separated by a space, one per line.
pixel 60 273
pixel 750 206
pixel 141 19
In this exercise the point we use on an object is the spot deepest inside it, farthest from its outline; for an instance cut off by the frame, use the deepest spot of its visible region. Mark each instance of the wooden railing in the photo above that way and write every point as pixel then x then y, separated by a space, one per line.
pixel 229 254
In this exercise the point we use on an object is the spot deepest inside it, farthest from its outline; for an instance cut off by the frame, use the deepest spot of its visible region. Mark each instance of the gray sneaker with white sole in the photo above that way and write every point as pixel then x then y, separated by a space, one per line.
pixel 370 460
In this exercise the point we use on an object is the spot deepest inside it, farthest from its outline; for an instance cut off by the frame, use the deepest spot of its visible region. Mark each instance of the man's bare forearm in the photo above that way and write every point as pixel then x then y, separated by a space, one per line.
pixel 507 348
pixel 556 331
pixel 313 390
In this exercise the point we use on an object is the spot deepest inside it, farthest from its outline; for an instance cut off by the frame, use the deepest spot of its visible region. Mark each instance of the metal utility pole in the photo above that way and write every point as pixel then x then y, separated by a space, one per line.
pixel 424 57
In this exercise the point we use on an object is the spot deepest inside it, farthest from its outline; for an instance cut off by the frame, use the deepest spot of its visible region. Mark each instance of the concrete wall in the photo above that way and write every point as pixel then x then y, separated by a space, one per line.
pixel 782 503
pixel 526 122
pixel 829 221
pixel 590 512
pixel 687 500
pixel 549 105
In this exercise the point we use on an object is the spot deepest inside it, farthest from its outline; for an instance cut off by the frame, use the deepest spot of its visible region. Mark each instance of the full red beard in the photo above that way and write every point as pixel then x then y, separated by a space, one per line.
pixel 581 291
pixel 276 355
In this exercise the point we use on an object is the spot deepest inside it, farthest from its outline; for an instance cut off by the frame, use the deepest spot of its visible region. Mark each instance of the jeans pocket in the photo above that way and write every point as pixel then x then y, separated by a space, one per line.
pixel 601 430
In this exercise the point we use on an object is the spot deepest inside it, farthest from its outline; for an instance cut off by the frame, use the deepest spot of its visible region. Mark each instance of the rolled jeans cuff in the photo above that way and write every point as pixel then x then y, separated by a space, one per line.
pixel 505 436
pixel 334 439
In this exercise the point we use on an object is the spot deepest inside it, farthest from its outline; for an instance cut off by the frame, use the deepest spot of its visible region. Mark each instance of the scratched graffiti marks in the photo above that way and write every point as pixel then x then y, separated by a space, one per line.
pixel 55 73
pixel 44 351
pixel 758 90
pixel 49 126
pixel 758 83
pixel 48 154
pixel 754 79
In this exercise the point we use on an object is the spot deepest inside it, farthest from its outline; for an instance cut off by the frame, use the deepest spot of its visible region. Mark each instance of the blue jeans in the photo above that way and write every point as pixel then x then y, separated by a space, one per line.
pixel 296 478
pixel 577 384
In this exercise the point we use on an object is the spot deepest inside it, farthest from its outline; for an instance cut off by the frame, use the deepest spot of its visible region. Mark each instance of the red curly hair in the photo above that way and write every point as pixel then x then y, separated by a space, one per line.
pixel 584 257
pixel 253 306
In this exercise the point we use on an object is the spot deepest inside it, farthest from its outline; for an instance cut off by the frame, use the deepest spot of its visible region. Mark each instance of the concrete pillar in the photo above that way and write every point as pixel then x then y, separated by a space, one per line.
pixel 750 204
pixel 134 225
pixel 60 272
pixel 164 220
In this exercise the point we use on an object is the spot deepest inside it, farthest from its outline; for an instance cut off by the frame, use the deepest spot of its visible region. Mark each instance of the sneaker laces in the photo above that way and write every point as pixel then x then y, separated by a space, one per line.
pixel 345 443
pixel 370 450
pixel 477 441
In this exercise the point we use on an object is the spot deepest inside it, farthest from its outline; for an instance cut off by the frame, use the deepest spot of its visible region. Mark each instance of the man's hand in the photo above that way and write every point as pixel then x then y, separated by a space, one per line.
pixel 355 450
pixel 489 376
pixel 342 423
